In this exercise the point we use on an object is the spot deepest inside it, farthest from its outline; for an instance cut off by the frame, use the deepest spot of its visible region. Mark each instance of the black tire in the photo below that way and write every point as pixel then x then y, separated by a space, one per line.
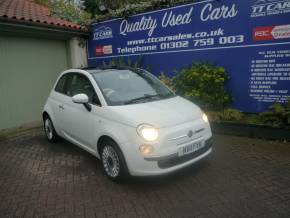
pixel 113 162
pixel 49 130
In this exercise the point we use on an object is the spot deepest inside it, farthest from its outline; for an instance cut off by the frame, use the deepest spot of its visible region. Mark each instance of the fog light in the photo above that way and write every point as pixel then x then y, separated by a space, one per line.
pixel 146 149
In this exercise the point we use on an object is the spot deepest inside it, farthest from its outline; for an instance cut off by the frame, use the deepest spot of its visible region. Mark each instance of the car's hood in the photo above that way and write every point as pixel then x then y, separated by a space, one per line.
pixel 162 113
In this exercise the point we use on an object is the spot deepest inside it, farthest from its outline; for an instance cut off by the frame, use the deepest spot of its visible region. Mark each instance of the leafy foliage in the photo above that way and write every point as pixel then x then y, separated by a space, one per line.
pixel 205 85
pixel 92 7
pixel 68 10
pixel 167 81
pixel 278 115
pixel 122 62
pixel 230 114
pixel 124 8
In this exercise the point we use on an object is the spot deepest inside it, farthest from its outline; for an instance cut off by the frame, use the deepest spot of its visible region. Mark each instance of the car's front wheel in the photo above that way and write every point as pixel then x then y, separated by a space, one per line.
pixel 49 130
pixel 113 161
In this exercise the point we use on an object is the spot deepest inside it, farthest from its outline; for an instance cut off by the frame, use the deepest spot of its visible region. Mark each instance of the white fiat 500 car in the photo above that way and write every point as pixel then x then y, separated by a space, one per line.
pixel 128 119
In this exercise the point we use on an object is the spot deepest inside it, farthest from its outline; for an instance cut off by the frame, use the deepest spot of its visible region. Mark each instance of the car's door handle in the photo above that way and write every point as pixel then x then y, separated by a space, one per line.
pixel 61 107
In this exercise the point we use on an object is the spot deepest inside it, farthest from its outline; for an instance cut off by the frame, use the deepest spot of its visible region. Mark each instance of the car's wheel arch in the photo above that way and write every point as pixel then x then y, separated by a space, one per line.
pixel 100 143
pixel 47 113
pixel 44 115
pixel 104 137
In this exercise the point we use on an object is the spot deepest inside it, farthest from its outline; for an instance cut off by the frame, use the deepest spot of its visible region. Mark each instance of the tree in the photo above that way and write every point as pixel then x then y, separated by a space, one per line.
pixel 124 8
pixel 92 6
pixel 71 10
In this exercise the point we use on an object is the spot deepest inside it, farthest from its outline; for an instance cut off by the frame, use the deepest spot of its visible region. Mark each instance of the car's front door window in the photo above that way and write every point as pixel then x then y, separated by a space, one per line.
pixel 80 84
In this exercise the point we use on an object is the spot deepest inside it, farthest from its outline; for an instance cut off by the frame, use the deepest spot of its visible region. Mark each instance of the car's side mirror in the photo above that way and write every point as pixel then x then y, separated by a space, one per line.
pixel 82 99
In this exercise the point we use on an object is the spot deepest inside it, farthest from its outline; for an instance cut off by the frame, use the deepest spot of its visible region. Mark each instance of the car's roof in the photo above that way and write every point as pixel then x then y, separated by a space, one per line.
pixel 109 68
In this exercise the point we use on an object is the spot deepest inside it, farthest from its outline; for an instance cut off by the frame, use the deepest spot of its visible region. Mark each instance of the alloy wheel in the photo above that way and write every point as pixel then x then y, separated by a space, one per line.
pixel 48 129
pixel 110 161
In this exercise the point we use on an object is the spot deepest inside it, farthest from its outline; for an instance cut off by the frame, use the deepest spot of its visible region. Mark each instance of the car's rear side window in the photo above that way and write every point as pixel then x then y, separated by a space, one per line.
pixel 61 85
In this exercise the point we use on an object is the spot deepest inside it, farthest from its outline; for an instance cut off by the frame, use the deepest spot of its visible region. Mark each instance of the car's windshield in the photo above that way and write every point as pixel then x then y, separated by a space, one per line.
pixel 121 87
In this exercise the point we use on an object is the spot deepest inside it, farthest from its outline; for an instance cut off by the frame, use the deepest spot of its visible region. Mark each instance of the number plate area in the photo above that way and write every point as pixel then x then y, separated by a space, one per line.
pixel 190 148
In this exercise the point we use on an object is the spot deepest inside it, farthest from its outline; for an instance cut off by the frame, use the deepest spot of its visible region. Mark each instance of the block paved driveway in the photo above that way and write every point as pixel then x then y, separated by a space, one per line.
pixel 242 178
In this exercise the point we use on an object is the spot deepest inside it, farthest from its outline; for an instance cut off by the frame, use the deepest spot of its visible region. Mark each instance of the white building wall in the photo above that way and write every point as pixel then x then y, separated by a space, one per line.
pixel 78 52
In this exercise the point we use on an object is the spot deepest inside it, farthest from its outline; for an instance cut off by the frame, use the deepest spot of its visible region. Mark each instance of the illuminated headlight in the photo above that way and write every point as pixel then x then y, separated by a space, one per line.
pixel 146 149
pixel 147 132
pixel 204 117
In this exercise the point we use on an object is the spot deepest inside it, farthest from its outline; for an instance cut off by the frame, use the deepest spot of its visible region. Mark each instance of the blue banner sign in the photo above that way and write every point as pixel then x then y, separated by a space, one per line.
pixel 249 38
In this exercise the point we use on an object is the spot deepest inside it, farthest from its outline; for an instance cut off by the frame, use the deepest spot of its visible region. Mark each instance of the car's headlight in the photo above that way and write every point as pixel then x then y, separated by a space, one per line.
pixel 204 117
pixel 148 132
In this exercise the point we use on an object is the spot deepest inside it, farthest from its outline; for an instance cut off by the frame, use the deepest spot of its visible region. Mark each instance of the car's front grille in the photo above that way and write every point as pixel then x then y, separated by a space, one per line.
pixel 173 161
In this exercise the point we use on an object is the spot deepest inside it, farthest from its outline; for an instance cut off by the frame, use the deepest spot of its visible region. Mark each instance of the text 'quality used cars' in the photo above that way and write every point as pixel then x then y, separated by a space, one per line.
pixel 128 119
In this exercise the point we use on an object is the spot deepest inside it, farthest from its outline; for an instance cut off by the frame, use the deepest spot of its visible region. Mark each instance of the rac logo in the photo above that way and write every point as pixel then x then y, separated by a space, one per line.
pixel 271 32
pixel 104 50
pixel 262 33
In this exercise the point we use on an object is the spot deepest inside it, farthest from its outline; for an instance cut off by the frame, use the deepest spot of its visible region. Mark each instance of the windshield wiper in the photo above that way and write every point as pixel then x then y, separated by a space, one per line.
pixel 167 95
pixel 141 98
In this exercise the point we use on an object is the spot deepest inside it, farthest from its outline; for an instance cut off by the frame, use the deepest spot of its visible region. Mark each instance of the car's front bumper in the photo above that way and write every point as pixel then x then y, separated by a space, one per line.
pixel 150 166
